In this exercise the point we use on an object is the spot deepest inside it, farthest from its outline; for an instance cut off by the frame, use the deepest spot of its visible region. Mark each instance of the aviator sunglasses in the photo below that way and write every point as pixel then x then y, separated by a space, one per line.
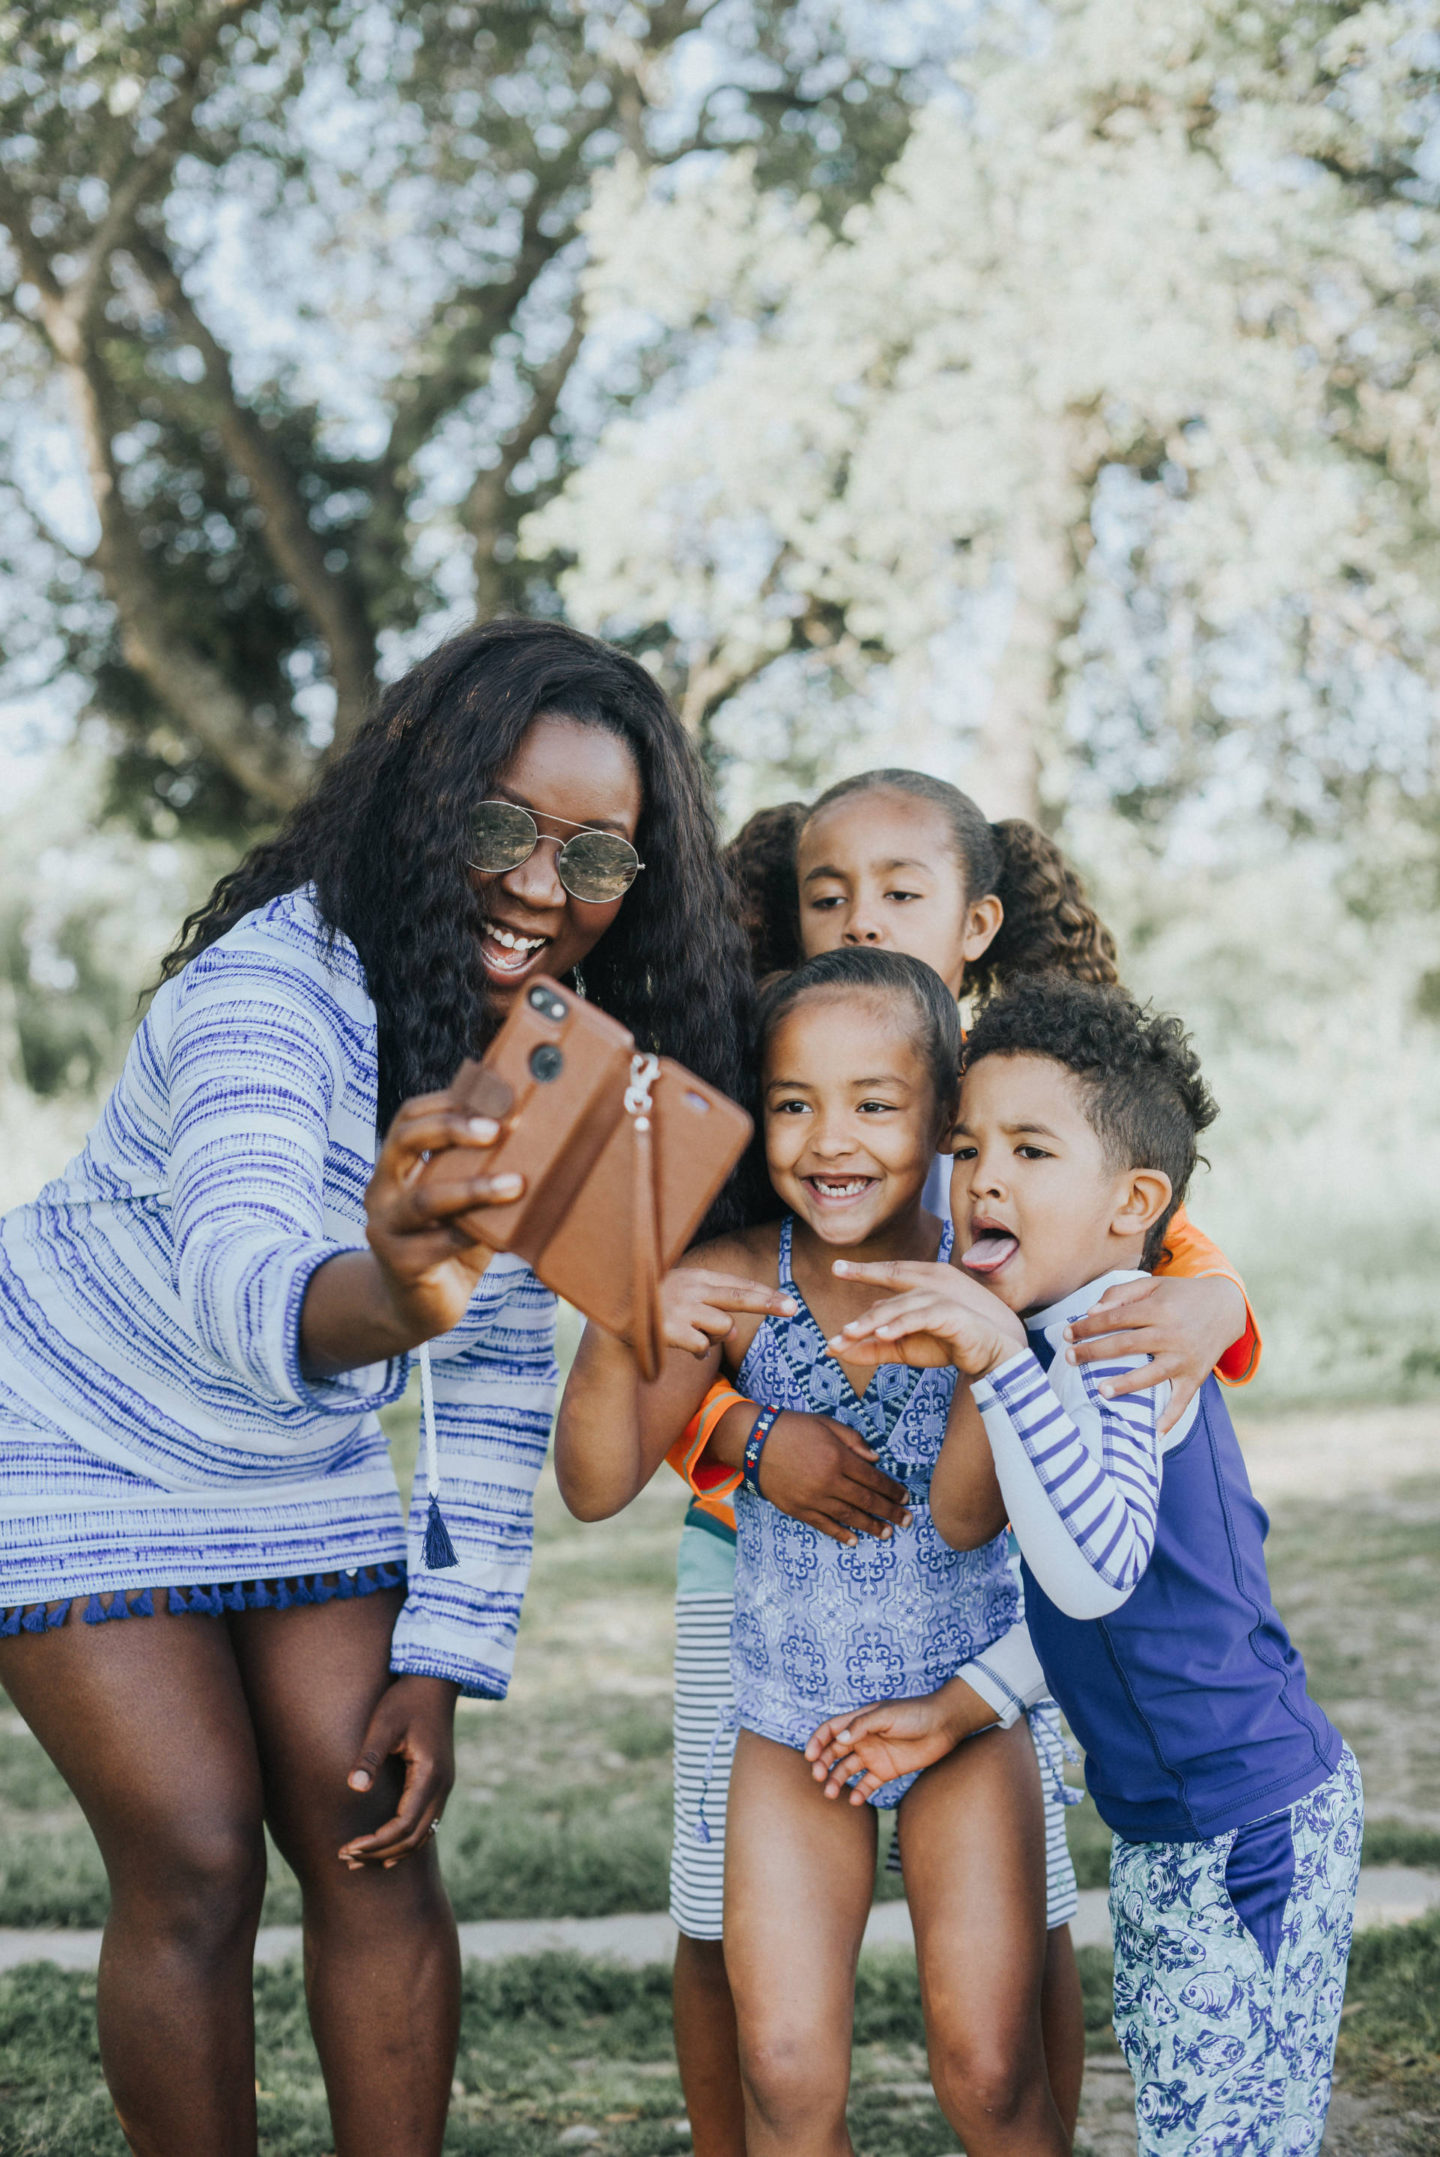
pixel 594 866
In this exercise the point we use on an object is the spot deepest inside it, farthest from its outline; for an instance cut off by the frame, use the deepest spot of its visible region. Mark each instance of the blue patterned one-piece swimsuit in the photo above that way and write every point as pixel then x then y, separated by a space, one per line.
pixel 820 1626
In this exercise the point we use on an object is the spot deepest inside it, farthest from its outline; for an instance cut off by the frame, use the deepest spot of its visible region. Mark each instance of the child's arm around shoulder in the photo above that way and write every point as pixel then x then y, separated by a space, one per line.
pixel 614 1429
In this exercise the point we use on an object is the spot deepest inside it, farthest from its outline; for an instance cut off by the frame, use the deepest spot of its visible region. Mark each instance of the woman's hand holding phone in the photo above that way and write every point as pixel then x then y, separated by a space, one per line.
pixel 421 1269
pixel 430 1259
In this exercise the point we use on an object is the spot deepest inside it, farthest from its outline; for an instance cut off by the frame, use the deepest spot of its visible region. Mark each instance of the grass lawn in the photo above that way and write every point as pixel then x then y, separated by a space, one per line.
pixel 562 1807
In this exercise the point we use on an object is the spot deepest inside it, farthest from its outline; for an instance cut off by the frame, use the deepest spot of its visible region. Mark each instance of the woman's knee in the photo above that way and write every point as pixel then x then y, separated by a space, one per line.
pixel 203 1881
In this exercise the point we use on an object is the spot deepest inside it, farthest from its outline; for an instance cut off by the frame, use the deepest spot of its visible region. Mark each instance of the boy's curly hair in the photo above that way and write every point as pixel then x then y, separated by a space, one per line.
pixel 1142 1089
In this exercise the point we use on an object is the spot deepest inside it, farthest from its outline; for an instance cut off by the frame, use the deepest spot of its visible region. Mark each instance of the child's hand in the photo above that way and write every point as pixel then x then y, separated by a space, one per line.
pixel 940 1317
pixel 698 1307
pixel 1183 1325
pixel 895 1737
pixel 822 1472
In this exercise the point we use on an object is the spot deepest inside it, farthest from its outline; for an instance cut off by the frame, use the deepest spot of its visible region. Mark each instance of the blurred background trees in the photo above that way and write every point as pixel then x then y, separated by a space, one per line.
pixel 292 327
pixel 1046 395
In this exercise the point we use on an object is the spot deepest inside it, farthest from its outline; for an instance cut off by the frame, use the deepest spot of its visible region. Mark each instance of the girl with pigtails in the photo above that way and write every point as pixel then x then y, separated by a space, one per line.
pixel 895 860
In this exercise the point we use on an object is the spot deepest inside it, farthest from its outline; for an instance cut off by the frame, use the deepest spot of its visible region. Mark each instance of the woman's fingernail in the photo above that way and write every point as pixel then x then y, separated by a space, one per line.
pixel 841 1265
pixel 483 1127
pixel 503 1186
pixel 1106 1391
pixel 359 1780
pixel 1070 1356
pixel 1069 1333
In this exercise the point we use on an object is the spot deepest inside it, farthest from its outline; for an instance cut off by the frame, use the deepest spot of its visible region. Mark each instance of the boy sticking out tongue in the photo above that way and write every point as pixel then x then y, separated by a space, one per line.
pixel 1235 1803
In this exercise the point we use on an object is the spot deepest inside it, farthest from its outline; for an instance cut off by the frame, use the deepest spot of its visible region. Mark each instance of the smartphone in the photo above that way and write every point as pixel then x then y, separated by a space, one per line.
pixel 698 1134
pixel 552 1078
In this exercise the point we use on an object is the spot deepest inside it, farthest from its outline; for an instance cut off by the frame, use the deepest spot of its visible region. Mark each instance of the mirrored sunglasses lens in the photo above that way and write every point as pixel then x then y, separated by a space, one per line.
pixel 596 866
pixel 503 837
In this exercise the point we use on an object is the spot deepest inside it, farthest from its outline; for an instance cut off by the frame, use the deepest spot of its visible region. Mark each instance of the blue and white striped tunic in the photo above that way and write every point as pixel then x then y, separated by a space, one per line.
pixel 156 1427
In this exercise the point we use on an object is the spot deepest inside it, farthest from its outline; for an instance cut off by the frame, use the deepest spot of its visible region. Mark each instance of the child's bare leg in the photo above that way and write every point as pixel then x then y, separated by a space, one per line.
pixel 798 1878
pixel 708 2049
pixel 974 1840
pixel 1062 2020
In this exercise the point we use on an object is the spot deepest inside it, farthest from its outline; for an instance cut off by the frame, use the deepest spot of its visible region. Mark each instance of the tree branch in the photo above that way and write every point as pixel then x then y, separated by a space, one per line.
pixel 329 597
pixel 149 170
pixel 483 514
pixel 268 765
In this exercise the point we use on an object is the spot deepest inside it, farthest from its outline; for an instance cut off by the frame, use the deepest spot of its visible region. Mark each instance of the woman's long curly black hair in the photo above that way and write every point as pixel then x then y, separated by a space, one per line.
pixel 1049 923
pixel 385 834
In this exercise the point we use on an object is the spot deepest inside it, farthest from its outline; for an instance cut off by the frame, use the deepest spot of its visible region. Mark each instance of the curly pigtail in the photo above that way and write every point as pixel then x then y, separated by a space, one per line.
pixel 760 862
pixel 1050 925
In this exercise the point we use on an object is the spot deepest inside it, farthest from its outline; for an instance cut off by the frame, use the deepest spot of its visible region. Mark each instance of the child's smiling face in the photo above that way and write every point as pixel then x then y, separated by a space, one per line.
pixel 881 869
pixel 1040 1206
pixel 851 1119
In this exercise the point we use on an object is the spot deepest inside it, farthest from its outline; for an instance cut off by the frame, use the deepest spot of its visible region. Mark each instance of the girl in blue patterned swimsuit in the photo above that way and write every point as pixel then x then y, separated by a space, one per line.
pixel 861 1050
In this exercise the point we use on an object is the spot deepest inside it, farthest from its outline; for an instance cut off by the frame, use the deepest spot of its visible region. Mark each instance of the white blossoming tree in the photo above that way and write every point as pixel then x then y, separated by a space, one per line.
pixel 1129 366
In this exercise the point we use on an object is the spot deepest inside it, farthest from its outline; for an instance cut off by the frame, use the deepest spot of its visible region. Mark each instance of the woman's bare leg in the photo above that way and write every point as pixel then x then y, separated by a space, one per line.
pixel 707 2048
pixel 147 1722
pixel 382 1962
pixel 798 1878
pixel 973 1834
pixel 1062 2021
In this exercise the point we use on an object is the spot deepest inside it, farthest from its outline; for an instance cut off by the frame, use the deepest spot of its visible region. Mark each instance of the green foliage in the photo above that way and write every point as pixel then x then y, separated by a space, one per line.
pixel 1391 2027
pixel 313 272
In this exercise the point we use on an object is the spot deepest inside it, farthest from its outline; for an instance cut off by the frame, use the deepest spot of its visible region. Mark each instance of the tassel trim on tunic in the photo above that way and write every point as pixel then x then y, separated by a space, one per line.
pixel 203 1601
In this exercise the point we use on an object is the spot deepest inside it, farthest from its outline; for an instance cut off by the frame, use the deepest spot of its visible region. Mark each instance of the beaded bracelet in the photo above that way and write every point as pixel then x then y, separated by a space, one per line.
pixel 755 1446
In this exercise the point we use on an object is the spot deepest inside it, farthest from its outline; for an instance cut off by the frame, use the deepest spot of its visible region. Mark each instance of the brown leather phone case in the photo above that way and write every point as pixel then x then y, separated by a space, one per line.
pixel 622 1156
pixel 561 1068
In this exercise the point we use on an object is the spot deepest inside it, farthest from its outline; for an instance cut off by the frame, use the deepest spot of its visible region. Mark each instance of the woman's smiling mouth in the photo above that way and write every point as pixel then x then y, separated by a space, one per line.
pixel 505 953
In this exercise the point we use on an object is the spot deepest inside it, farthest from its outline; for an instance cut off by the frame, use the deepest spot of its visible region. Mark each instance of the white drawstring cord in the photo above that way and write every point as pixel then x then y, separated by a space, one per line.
pixel 438 1548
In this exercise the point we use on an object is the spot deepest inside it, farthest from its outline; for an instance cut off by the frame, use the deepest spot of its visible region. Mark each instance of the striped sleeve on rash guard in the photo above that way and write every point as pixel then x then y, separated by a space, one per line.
pixel 495 1379
pixel 252 1064
pixel 1080 1475
pixel 1008 1676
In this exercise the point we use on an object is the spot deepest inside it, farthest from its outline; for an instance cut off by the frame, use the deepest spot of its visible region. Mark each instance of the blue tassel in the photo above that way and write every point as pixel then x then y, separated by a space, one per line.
pixel 700 1828
pixel 205 1602
pixel 390 1576
pixel 320 1589
pixel 260 1597
pixel 34 1620
pixel 302 1590
pixel 119 1608
pixel 56 1617
pixel 11 1622
pixel 364 1581
pixel 179 1601
pixel 95 1613
pixel 344 1584
pixel 143 1604
pixel 439 1550
pixel 283 1597
pixel 233 1598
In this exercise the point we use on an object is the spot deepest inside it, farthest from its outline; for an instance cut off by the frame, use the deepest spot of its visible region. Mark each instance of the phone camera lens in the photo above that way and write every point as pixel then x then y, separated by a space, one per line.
pixel 546 1062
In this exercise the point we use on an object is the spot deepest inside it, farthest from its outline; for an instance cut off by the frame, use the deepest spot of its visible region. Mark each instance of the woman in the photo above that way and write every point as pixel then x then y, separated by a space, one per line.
pixel 200 1318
